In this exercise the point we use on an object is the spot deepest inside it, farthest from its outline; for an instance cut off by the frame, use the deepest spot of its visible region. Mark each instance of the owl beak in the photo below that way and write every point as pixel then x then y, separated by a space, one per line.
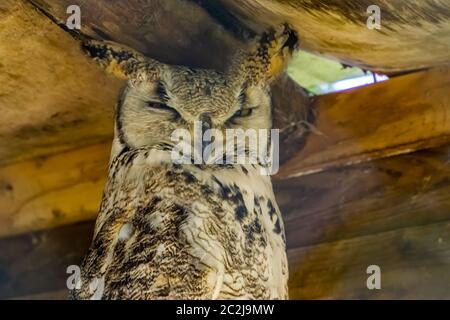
pixel 206 121
pixel 206 125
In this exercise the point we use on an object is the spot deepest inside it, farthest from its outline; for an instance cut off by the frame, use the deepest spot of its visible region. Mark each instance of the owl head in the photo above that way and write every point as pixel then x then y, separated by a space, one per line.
pixel 160 98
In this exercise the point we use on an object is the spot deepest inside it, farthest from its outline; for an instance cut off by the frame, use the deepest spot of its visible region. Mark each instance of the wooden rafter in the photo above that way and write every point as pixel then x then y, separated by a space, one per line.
pixel 414 34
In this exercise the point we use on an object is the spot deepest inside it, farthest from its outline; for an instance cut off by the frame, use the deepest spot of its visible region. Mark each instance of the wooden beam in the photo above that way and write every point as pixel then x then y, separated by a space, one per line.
pixel 52 97
pixel 35 264
pixel 394 117
pixel 367 198
pixel 414 34
pixel 60 294
pixel 171 31
pixel 414 264
pixel 52 191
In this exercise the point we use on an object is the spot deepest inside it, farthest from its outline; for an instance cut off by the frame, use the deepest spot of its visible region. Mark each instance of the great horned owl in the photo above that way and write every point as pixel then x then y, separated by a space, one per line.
pixel 187 231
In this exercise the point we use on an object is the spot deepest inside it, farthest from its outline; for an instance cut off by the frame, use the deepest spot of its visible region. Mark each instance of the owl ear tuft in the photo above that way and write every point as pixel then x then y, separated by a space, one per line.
pixel 120 61
pixel 269 54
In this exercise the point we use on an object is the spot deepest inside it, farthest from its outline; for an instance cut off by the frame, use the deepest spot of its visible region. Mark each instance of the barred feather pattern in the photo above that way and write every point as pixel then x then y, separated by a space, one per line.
pixel 168 231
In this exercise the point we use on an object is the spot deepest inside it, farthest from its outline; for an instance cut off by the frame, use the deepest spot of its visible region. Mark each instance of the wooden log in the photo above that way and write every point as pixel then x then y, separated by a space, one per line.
pixel 368 198
pixel 60 294
pixel 414 264
pixel 394 117
pixel 36 263
pixel 48 192
pixel 52 97
pixel 414 34
pixel 171 31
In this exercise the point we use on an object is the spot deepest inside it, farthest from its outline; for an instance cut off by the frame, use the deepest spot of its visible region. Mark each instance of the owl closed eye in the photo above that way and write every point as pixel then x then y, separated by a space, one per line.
pixel 160 98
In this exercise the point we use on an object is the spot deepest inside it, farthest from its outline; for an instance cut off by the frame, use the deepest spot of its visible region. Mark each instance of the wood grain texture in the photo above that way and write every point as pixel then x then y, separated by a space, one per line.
pixel 398 116
pixel 171 31
pixel 35 264
pixel 52 97
pixel 414 264
pixel 367 198
pixel 59 294
pixel 47 192
pixel 414 34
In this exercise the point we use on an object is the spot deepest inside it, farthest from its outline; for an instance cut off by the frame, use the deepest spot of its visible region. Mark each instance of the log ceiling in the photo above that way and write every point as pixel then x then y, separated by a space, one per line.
pixel 362 169
pixel 414 34
pixel 51 96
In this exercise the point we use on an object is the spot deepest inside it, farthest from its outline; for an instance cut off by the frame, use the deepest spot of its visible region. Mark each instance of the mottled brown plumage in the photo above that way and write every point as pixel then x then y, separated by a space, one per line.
pixel 187 231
